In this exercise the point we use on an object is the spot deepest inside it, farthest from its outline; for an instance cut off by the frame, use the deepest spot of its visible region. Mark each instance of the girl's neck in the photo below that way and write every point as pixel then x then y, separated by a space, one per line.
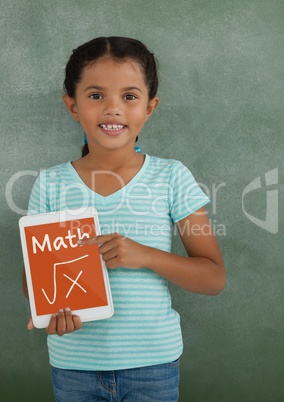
pixel 112 160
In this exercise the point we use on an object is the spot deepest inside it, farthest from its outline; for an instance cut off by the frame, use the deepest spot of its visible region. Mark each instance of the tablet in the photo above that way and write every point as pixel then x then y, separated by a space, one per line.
pixel 59 272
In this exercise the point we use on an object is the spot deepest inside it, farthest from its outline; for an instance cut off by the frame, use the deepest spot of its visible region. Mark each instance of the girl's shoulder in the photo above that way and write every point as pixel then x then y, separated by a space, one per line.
pixel 54 173
pixel 168 166
pixel 164 162
pixel 171 171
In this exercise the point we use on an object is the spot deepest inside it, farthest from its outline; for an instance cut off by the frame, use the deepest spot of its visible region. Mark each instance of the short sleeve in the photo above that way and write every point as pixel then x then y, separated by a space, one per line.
pixel 186 195
pixel 38 202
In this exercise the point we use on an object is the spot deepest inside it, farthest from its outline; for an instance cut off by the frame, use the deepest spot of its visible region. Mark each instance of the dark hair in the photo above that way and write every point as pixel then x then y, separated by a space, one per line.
pixel 116 47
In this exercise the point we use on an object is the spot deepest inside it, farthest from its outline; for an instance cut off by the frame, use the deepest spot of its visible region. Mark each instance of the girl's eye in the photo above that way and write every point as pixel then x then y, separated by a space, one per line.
pixel 130 97
pixel 96 96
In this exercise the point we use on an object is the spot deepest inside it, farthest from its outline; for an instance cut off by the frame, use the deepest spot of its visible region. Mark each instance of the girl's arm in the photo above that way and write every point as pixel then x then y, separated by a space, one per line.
pixel 202 271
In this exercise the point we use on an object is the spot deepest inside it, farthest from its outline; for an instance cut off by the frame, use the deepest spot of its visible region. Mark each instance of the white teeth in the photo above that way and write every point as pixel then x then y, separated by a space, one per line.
pixel 111 126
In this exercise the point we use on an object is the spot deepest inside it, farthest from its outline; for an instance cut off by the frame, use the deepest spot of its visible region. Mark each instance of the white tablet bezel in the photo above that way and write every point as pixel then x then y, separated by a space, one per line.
pixel 88 314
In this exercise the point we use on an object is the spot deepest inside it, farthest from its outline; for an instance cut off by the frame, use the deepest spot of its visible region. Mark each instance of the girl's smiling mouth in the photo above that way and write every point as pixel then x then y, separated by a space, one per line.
pixel 112 129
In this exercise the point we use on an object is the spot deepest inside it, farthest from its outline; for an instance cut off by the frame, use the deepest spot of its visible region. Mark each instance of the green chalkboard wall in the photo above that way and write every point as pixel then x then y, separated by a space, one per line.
pixel 221 114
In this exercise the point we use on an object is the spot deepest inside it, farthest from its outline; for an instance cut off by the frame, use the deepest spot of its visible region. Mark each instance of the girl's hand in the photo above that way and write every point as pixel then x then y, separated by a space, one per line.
pixel 119 251
pixel 64 322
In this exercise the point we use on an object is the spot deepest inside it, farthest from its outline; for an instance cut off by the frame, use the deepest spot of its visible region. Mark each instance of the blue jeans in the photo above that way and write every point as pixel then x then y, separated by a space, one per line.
pixel 145 384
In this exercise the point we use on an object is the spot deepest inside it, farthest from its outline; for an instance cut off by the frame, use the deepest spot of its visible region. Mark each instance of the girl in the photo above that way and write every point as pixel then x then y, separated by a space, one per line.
pixel 111 86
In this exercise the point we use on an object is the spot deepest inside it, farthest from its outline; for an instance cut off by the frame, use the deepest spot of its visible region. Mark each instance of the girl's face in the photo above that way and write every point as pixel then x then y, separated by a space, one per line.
pixel 111 103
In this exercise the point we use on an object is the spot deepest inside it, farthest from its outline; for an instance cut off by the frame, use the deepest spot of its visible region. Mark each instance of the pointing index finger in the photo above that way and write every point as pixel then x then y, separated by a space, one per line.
pixel 87 242
pixel 101 239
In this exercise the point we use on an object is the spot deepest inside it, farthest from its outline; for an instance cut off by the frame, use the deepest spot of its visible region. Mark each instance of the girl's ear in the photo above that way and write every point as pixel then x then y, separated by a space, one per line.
pixel 153 103
pixel 71 106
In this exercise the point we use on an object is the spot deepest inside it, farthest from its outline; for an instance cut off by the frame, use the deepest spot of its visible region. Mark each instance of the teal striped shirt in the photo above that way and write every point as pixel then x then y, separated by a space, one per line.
pixel 144 329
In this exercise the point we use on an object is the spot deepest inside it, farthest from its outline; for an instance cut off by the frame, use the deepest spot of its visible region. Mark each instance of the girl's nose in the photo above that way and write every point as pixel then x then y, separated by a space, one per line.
pixel 112 108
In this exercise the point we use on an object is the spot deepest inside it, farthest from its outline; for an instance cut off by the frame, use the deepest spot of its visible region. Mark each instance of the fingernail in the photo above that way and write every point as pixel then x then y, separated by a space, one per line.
pixel 60 310
pixel 68 309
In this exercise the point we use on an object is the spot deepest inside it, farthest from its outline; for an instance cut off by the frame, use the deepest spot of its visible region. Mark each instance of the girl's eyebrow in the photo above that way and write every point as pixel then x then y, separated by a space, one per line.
pixel 93 87
pixel 99 88
pixel 131 89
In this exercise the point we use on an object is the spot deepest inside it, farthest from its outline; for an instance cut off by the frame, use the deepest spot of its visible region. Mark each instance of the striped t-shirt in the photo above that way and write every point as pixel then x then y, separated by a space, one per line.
pixel 144 329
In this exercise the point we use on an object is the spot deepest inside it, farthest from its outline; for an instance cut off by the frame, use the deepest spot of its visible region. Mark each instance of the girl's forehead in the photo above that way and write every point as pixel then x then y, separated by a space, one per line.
pixel 107 66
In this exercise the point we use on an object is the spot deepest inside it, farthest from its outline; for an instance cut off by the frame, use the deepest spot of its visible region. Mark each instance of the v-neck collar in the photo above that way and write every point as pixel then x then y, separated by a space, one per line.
pixel 117 193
